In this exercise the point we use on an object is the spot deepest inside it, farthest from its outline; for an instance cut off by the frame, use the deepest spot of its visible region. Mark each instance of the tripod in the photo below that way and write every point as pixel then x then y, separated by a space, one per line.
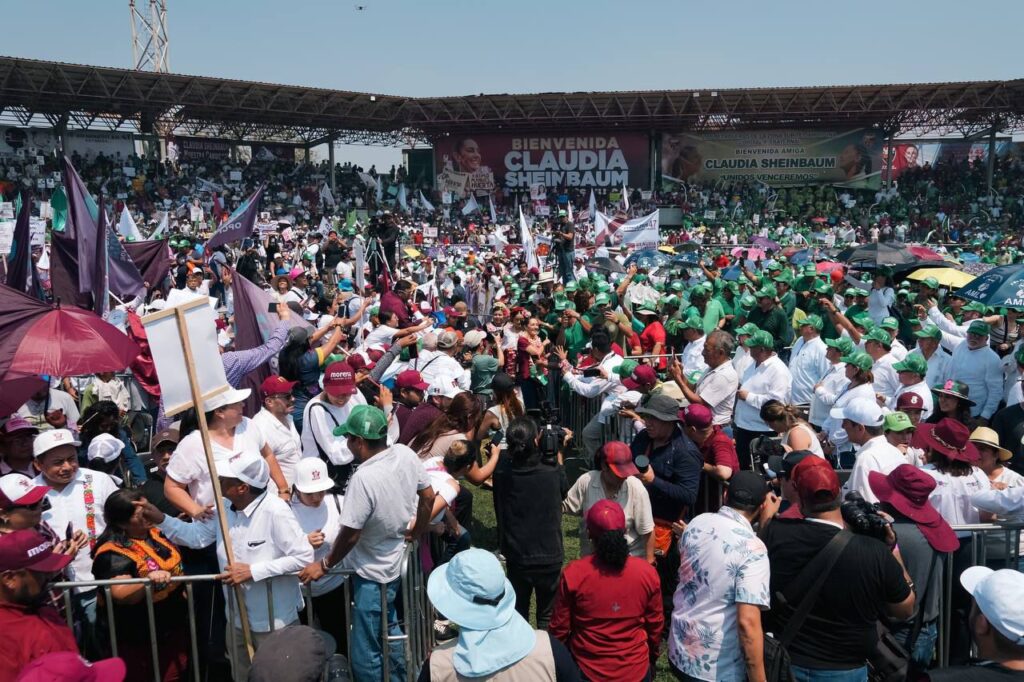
pixel 378 262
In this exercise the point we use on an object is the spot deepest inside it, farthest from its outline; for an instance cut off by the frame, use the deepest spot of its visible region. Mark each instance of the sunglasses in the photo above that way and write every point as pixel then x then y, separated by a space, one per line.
pixel 43 504
pixel 287 397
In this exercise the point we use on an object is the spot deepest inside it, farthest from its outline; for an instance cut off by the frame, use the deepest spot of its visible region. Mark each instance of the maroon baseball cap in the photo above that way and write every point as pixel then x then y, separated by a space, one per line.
pixel 643 375
pixel 358 363
pixel 909 401
pixel 67 666
pixel 605 515
pixel 620 459
pixel 27 549
pixel 698 416
pixel 410 378
pixel 276 384
pixel 339 379
pixel 815 480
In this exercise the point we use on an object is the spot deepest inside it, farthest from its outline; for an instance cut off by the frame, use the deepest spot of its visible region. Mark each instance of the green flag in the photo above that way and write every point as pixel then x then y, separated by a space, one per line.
pixel 350 221
pixel 59 204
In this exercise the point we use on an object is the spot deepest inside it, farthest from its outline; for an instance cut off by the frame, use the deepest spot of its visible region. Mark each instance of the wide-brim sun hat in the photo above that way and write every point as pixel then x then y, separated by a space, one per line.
pixel 228 397
pixel 472 591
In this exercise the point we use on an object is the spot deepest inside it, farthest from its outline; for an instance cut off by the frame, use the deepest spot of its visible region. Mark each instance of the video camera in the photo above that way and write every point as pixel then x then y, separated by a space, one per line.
pixel 552 435
pixel 863 517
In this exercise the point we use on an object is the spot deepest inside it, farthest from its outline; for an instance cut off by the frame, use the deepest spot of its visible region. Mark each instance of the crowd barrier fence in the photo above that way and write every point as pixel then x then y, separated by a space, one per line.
pixel 417 625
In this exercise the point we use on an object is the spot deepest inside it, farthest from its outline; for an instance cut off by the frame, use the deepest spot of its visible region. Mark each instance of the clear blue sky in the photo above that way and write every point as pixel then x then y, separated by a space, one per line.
pixel 453 47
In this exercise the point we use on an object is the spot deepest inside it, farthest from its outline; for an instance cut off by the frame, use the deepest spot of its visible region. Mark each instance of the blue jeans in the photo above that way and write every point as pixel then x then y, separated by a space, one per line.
pixel 366 624
pixel 816 675
pixel 924 647
pixel 565 264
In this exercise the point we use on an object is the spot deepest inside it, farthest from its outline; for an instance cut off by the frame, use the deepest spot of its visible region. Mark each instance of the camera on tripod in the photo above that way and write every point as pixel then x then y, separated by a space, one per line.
pixel 552 435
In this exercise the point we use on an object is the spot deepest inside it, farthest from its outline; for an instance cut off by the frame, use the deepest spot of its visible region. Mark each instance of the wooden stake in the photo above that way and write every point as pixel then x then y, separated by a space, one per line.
pixel 222 519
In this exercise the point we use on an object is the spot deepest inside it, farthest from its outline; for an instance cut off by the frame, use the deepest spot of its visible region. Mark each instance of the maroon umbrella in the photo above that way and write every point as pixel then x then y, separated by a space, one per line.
pixel 39 338
pixel 924 253
pixel 15 392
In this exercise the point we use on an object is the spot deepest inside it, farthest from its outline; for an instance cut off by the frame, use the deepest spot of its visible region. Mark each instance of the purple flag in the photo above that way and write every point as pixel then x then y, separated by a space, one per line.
pixel 64 272
pixel 253 326
pixel 239 224
pixel 123 277
pixel 153 258
pixel 100 299
pixel 19 261
pixel 81 223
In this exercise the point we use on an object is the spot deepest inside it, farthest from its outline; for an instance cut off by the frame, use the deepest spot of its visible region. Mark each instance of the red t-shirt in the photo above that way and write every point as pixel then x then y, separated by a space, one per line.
pixel 652 335
pixel 611 622
pixel 29 634
pixel 719 449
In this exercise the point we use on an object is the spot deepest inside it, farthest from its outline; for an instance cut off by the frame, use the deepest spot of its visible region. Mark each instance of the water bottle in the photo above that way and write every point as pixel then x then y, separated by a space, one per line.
pixel 337 669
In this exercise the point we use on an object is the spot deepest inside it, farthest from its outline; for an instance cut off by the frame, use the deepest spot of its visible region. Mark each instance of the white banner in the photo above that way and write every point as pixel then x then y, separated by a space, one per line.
pixel 16 141
pixel 640 233
pixel 91 143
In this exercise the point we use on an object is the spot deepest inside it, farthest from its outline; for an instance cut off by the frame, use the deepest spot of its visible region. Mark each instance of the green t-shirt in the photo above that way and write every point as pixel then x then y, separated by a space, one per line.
pixel 481 372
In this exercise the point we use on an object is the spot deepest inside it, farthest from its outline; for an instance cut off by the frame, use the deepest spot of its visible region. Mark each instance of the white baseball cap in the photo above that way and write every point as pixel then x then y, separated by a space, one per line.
pixel 228 397
pixel 248 467
pixel 311 476
pixel 442 386
pixel 105 447
pixel 54 438
pixel 1000 596
pixel 18 490
pixel 473 338
pixel 861 411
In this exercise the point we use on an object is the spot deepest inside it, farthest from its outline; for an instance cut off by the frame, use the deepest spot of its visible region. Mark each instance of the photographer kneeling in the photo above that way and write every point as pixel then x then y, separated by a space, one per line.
pixel 529 486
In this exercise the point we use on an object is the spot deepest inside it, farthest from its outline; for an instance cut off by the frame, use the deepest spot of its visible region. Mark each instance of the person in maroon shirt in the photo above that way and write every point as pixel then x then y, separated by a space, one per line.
pixel 608 610
pixel 719 452
pixel 397 302
pixel 439 397
pixel 31 626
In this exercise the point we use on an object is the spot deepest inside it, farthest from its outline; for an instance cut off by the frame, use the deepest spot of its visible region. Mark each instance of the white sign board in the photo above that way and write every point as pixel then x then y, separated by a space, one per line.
pixel 235 176
pixel 169 354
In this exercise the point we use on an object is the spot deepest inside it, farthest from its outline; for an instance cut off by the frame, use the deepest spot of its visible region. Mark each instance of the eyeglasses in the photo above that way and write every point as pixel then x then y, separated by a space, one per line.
pixel 287 397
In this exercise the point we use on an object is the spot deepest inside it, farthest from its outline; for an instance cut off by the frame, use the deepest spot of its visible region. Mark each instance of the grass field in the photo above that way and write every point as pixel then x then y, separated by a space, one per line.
pixel 484 534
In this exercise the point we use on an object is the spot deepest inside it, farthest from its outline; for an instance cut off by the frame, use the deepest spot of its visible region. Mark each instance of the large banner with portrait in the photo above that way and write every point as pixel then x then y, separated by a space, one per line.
pixel 480 164
pixel 850 158
pixel 26 142
pixel 911 154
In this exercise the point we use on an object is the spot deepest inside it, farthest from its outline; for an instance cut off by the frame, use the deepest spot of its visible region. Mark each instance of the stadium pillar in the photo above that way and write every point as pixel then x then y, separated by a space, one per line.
pixel 991 161
pixel 888 162
pixel 330 160
pixel 306 154
pixel 62 129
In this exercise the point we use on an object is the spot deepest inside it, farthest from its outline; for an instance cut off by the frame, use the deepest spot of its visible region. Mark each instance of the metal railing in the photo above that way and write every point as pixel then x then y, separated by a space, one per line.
pixel 417 638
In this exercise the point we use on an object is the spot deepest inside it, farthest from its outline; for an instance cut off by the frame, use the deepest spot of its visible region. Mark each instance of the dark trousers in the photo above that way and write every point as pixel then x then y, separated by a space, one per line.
pixel 667 566
pixel 743 440
pixel 329 611
pixel 541 581
pixel 211 620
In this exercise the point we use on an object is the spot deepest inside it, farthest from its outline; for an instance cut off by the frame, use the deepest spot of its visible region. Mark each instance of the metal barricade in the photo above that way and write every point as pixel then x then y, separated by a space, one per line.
pixel 417 637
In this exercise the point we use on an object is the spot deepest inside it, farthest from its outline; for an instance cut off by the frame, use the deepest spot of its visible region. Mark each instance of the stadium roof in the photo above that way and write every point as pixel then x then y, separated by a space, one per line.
pixel 123 99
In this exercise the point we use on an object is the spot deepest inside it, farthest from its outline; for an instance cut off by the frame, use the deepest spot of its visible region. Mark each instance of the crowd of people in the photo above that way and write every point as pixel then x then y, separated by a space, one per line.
pixel 773 466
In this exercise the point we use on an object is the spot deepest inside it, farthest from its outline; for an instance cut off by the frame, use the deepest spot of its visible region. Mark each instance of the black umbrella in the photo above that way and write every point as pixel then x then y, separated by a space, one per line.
pixel 604 264
pixel 869 256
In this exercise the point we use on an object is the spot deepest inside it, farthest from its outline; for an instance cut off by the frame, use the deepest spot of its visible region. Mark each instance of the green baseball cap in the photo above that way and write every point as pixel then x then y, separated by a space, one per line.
pixel 929 332
pixel 975 307
pixel 912 363
pixel 980 328
pixel 844 344
pixel 374 311
pixel 1019 356
pixel 760 339
pixel 692 322
pixel 930 282
pixel 364 421
pixel 897 421
pixel 880 335
pixel 571 287
pixel 602 299
pixel 786 277
pixel 890 323
pixel 677 285
pixel 822 288
pixel 859 359
pixel 747 301
pixel 604 286
pixel 747 329
pixel 774 266
pixel 863 320
pixel 860 293
pixel 812 320
pixel 625 369
pixel 766 291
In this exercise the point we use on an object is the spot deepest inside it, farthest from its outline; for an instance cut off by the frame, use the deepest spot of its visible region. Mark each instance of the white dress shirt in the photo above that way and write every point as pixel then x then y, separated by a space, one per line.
pixel 982 371
pixel 717 387
pixel 327 519
pixel 921 388
pixel 898 350
pixel 69 509
pixel 266 536
pixel 877 454
pixel 938 366
pixel 832 386
pixel 591 387
pixel 443 365
pixel 693 356
pixel 769 380
pixel 284 442
pixel 807 364
pixel 741 361
pixel 833 427
pixel 887 380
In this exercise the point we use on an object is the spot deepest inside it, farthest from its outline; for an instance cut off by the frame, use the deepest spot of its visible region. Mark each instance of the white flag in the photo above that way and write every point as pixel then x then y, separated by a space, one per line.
pixel 325 226
pixel 593 205
pixel 494 214
pixel 380 193
pixel 470 206
pixel 526 237
pixel 427 206
pixel 625 198
pixel 161 227
pixel 401 198
pixel 569 212
pixel 368 180
pixel 326 195
pixel 127 228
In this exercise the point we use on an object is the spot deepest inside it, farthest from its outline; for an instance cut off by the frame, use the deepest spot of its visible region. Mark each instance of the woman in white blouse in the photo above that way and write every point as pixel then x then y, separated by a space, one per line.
pixel 858 371
pixel 318 512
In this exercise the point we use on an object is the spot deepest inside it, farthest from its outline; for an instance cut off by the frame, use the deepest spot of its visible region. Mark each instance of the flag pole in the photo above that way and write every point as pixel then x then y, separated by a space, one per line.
pixel 222 519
